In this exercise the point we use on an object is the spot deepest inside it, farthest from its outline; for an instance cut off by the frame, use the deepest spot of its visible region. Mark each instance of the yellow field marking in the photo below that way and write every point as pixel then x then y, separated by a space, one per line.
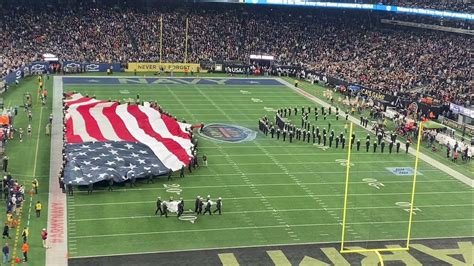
pixel 346 190
pixel 278 258
pixel 228 259
pixel 412 201
pixel 380 257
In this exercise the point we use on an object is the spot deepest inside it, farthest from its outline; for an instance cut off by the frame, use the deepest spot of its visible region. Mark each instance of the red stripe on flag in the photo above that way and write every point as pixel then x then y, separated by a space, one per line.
pixel 92 127
pixel 119 126
pixel 144 124
pixel 173 127
pixel 70 137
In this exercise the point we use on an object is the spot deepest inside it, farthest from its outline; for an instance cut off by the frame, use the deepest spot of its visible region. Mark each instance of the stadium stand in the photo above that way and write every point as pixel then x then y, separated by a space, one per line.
pixel 453 5
pixel 352 47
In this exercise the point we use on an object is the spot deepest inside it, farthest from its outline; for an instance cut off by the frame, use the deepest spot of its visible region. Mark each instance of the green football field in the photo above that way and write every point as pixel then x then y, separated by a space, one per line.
pixel 27 160
pixel 273 192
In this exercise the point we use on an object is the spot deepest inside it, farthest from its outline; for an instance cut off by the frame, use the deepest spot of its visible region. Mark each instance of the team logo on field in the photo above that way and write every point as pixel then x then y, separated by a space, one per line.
pixel 401 171
pixel 228 133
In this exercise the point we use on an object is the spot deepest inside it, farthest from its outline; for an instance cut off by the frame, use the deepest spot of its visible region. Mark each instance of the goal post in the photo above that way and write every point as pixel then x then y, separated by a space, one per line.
pixel 344 249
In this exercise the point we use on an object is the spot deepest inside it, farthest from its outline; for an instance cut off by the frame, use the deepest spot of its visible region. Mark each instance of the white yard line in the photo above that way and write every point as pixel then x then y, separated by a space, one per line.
pixel 283 184
pixel 313 162
pixel 259 227
pixel 278 197
pixel 468 181
pixel 274 210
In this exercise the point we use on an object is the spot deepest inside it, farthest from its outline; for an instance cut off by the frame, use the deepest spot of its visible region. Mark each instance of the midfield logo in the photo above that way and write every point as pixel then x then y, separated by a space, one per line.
pixel 228 133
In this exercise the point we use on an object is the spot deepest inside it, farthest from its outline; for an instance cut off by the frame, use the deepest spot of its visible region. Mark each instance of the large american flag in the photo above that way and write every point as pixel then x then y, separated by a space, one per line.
pixel 130 139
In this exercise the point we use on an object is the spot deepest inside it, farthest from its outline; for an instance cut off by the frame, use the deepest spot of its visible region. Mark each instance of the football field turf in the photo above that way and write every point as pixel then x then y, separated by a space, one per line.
pixel 273 192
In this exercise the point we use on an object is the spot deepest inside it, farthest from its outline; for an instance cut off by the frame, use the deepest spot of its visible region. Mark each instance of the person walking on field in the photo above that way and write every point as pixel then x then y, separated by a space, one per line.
pixel 6 231
pixel 35 185
pixel 25 234
pixel 208 208
pixel 44 237
pixel 218 206
pixel 204 159
pixel 25 248
pixel 5 163
pixel 158 206
pixel 6 253
pixel 38 208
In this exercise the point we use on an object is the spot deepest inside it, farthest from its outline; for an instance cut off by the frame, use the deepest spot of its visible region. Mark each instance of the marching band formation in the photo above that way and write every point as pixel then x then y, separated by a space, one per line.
pixel 310 132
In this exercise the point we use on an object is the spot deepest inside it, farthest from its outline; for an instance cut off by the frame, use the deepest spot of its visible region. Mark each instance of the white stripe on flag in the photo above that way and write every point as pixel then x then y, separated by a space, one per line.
pixel 79 125
pixel 184 126
pixel 159 126
pixel 103 122
pixel 166 157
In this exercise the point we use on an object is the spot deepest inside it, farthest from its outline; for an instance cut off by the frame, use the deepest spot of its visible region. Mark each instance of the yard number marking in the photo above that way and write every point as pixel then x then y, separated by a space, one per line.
pixel 406 206
pixel 188 217
pixel 269 109
pixel 343 162
pixel 321 146
pixel 373 183
pixel 173 188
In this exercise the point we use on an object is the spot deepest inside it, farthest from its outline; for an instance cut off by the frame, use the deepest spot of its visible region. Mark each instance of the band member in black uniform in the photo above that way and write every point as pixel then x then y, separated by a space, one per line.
pixel 158 206
pixel 218 206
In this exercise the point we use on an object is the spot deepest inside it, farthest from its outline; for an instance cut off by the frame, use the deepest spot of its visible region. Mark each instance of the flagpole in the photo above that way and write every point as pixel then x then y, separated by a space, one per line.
pixel 186 42
pixel 161 37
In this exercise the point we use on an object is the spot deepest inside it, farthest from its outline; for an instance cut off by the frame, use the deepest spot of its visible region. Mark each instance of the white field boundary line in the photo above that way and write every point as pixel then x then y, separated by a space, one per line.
pixel 275 210
pixel 466 180
pixel 277 197
pixel 57 254
pixel 260 227
pixel 355 242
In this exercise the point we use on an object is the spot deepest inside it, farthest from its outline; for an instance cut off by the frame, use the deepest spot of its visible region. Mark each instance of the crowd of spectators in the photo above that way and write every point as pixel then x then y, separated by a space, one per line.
pixel 452 5
pixel 349 46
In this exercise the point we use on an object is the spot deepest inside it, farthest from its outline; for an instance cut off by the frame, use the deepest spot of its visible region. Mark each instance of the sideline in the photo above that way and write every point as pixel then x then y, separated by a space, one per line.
pixel 35 164
pixel 56 254
pixel 466 180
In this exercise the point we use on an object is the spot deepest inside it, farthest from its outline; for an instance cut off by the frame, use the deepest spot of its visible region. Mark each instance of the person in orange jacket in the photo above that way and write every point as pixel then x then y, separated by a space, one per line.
pixel 24 248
